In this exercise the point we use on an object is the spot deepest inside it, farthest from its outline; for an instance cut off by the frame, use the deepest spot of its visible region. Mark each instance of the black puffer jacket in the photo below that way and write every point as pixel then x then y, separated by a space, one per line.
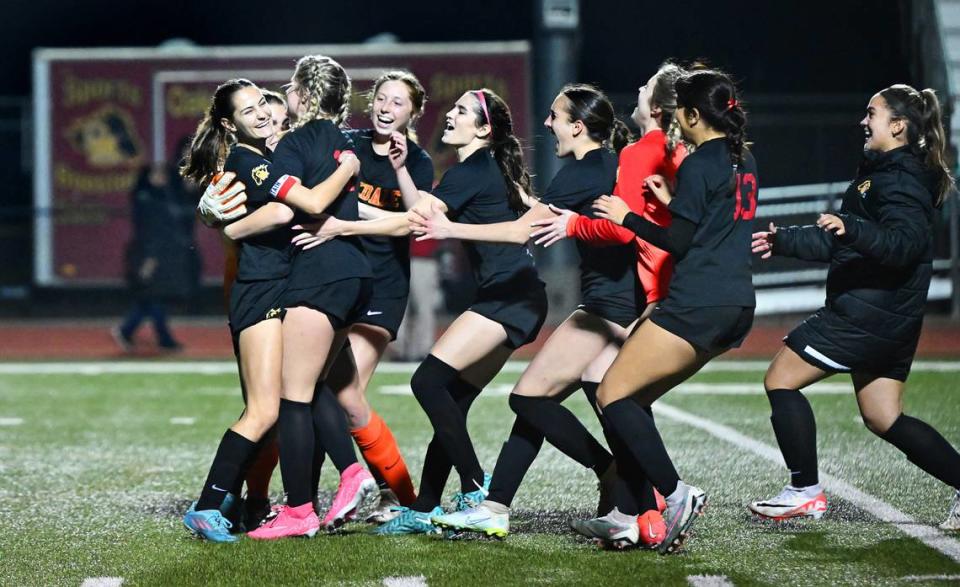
pixel 880 269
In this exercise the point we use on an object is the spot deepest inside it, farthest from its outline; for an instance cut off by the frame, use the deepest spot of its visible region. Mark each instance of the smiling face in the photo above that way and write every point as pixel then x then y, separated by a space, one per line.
pixel 563 129
pixel 251 115
pixel 881 131
pixel 461 122
pixel 392 108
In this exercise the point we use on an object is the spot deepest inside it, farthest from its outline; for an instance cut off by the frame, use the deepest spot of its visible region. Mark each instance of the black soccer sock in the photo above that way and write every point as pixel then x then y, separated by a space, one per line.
pixel 237 488
pixel 634 426
pixel 233 452
pixel 330 426
pixel 436 463
pixel 296 438
pixel 632 490
pixel 925 448
pixel 430 384
pixel 516 457
pixel 796 432
pixel 563 430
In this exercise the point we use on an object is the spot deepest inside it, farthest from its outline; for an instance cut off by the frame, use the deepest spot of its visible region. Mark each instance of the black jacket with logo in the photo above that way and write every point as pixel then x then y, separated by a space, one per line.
pixel 880 269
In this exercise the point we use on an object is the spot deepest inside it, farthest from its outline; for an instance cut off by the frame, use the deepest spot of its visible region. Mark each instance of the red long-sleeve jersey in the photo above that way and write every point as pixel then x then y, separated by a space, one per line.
pixel 638 161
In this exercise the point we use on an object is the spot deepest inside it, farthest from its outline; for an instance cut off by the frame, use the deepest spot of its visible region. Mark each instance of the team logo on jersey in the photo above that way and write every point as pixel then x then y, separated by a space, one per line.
pixel 260 174
pixel 863 187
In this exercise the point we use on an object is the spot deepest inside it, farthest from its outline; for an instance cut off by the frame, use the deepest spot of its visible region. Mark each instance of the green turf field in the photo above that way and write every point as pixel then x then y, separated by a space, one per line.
pixel 97 469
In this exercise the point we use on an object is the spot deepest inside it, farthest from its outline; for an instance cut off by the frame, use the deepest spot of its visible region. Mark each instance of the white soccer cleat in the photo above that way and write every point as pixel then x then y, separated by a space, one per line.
pixel 793 502
pixel 953 517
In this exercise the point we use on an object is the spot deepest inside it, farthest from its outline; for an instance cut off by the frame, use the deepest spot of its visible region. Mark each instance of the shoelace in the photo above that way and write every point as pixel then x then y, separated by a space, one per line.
pixel 274 516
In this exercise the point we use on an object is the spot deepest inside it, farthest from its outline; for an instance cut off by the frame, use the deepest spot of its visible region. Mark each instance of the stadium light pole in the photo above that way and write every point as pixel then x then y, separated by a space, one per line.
pixel 556 52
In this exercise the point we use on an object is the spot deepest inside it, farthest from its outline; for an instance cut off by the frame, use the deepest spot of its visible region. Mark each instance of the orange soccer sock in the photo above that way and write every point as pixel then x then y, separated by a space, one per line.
pixel 380 451
pixel 260 471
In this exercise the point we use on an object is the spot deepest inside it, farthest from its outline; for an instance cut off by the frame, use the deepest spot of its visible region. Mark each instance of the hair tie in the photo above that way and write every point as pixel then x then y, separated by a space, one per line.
pixel 732 103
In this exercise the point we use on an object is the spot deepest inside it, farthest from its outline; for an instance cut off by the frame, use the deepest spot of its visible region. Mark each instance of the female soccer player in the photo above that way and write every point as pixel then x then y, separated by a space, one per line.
pixel 708 308
pixel 396 100
pixel 585 126
pixel 327 289
pixel 388 157
pixel 487 186
pixel 239 108
pixel 658 154
pixel 880 250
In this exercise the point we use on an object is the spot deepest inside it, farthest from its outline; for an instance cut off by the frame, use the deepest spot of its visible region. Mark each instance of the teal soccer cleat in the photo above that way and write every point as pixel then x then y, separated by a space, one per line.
pixel 410 522
pixel 209 524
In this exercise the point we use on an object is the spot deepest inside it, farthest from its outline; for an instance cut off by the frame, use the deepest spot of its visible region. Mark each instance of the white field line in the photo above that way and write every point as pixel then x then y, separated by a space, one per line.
pixel 925 578
pixel 929 535
pixel 102 582
pixel 229 367
pixel 183 421
pixel 11 421
pixel 414 581
pixel 502 389
pixel 709 581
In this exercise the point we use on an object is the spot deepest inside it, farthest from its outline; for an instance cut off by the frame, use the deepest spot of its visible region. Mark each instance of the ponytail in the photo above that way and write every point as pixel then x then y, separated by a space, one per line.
pixel 212 141
pixel 620 136
pixel 932 140
pixel 925 135
pixel 504 146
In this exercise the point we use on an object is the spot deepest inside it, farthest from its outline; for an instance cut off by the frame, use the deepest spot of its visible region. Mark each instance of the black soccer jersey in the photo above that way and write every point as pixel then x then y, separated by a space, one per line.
pixel 717 269
pixel 475 192
pixel 310 154
pixel 604 271
pixel 264 256
pixel 377 186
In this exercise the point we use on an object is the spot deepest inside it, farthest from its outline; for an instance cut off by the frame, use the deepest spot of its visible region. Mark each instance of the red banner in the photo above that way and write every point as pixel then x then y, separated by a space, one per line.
pixel 104 114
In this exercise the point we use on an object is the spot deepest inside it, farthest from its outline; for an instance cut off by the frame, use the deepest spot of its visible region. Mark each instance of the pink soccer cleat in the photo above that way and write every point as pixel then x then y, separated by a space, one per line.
pixel 298 521
pixel 356 486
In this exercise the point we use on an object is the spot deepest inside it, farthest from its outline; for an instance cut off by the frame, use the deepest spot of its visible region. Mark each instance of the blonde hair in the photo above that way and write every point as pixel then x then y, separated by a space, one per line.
pixel 325 87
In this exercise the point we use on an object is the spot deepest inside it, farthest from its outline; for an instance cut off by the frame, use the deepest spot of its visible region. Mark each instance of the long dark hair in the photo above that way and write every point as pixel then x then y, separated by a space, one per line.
pixel 925 135
pixel 714 95
pixel 208 151
pixel 504 145
pixel 592 107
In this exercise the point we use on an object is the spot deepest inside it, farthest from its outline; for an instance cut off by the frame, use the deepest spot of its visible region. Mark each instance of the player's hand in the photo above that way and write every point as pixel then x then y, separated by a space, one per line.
pixel 660 188
pixel 553 229
pixel 763 242
pixel 223 200
pixel 349 159
pixel 314 234
pixel 831 223
pixel 436 227
pixel 613 208
pixel 398 150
